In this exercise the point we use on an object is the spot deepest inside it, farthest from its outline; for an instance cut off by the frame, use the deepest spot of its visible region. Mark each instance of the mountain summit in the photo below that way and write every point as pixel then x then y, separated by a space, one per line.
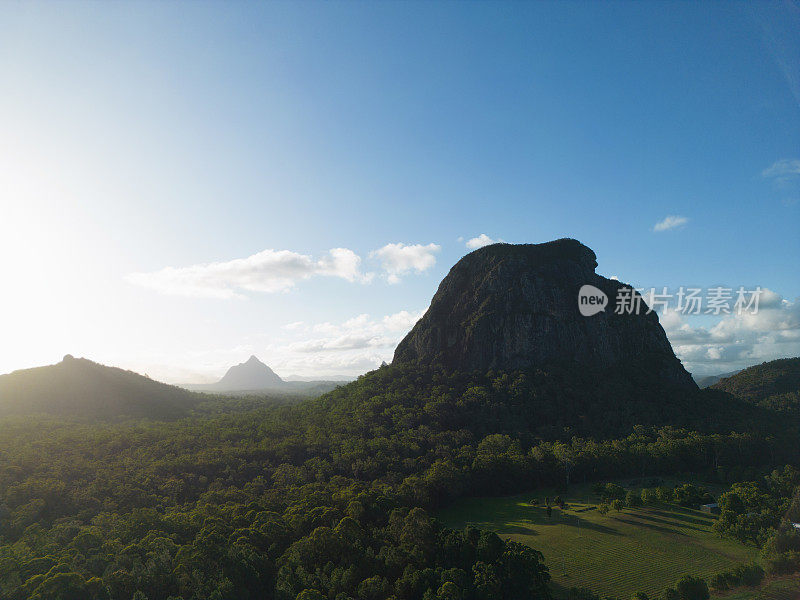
pixel 254 377
pixel 83 388
pixel 516 306
pixel 250 375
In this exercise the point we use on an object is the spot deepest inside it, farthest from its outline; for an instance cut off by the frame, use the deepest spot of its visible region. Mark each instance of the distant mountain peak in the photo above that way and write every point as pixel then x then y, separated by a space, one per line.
pixel 81 387
pixel 250 375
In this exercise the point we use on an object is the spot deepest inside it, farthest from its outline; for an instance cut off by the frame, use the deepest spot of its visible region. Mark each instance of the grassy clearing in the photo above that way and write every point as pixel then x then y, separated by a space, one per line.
pixel 644 549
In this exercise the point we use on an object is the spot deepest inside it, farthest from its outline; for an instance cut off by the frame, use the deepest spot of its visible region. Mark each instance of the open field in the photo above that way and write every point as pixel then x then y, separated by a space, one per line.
pixel 643 549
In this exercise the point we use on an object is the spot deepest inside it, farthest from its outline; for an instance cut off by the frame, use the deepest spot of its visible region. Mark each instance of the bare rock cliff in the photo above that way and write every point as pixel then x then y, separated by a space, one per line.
pixel 509 306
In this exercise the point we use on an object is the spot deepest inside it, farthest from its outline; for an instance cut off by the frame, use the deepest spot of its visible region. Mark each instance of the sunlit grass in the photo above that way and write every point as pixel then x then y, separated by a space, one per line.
pixel 644 549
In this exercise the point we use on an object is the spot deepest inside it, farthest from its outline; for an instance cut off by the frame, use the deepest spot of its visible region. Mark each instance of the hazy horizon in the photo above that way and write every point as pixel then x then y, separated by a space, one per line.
pixel 184 186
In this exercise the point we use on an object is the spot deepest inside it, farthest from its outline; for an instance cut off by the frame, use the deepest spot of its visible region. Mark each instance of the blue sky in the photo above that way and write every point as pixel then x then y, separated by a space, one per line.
pixel 139 137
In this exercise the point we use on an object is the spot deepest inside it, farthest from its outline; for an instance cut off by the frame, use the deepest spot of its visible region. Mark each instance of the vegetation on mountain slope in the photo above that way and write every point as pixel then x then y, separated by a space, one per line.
pixel 332 497
pixel 78 387
pixel 774 385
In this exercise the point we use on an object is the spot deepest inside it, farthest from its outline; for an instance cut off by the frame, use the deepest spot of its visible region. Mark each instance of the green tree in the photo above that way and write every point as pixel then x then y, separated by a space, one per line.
pixel 692 588
pixel 632 499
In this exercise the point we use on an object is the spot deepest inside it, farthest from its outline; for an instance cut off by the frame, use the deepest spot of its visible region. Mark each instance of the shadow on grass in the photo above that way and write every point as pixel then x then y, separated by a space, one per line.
pixel 520 517
pixel 659 528
pixel 683 514
pixel 569 520
pixel 516 529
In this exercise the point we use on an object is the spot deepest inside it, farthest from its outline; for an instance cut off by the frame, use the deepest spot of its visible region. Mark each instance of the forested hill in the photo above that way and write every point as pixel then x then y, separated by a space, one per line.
pixel 774 384
pixel 539 404
pixel 78 387
pixel 331 498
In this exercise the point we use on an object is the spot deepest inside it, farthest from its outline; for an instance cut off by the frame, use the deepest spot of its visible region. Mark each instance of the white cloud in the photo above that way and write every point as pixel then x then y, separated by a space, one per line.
pixel 309 350
pixel 786 167
pixel 402 321
pixel 268 271
pixel 329 364
pixel 399 259
pixel 480 241
pixel 358 332
pixel 785 177
pixel 737 341
pixel 670 222
pixel 347 348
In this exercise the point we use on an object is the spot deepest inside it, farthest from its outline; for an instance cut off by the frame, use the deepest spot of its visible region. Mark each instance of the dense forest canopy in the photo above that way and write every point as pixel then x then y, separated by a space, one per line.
pixel 333 497
pixel 774 385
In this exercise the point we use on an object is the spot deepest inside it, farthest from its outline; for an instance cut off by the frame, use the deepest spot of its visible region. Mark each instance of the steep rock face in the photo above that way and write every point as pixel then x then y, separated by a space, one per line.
pixel 508 306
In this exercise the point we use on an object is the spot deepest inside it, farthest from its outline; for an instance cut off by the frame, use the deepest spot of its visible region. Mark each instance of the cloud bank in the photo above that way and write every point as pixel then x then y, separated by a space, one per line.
pixel 269 271
pixel 737 341
pixel 357 333
pixel 351 347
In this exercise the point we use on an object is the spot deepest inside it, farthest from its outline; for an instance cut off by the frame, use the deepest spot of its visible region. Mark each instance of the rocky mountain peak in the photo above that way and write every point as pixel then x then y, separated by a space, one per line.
pixel 515 306
pixel 250 375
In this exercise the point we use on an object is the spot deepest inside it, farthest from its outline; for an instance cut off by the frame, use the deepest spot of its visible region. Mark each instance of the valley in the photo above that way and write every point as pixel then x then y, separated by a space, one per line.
pixel 117 487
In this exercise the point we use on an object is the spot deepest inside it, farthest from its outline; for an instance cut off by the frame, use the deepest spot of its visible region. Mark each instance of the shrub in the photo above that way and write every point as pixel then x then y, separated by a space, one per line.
pixel 692 588
pixel 633 499
pixel 782 563
pixel 664 494
pixel 720 582
pixel 612 491
pixel 581 594
pixel 688 494
pixel 746 575
pixel 749 575
pixel 648 496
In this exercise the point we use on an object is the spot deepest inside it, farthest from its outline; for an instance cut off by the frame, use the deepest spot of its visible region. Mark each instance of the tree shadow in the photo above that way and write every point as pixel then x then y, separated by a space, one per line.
pixel 659 528
pixel 523 518
pixel 674 523
pixel 516 529
pixel 684 514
